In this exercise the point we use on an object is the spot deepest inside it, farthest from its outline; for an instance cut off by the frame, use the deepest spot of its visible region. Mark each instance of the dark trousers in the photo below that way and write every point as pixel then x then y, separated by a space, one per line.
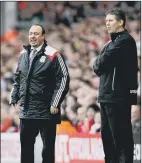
pixel 29 129
pixel 116 131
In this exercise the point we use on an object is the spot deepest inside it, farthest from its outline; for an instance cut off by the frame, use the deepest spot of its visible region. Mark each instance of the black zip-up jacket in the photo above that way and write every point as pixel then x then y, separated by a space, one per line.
pixel 117 68
pixel 43 84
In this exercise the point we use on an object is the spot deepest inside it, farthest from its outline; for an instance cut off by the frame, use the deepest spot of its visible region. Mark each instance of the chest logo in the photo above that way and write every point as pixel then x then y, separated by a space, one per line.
pixel 42 59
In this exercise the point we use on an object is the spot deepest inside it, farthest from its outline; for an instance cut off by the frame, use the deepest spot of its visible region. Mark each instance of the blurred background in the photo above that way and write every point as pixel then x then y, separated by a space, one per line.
pixel 77 30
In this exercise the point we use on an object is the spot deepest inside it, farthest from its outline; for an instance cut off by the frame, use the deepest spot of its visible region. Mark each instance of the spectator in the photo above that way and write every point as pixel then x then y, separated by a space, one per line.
pixel 136 118
pixel 85 126
pixel 6 121
pixel 97 125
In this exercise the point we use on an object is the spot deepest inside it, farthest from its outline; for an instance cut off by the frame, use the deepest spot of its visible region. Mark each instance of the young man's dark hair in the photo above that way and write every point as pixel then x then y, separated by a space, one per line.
pixel 118 13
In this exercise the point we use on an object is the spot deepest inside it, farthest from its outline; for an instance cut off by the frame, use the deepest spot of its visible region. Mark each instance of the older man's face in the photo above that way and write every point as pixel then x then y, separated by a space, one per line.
pixel 36 38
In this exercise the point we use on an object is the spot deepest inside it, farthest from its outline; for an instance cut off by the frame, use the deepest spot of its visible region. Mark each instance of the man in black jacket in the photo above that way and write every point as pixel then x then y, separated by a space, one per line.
pixel 41 83
pixel 117 68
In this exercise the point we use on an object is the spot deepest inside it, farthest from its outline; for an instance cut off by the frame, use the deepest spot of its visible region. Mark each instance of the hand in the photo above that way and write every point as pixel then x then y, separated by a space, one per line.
pixel 53 110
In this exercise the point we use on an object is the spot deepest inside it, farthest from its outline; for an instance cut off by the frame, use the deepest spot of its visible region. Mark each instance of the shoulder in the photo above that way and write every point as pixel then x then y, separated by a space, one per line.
pixel 51 52
pixel 106 44
pixel 21 54
pixel 128 40
pixel 127 37
pixel 124 40
pixel 23 51
pixel 131 39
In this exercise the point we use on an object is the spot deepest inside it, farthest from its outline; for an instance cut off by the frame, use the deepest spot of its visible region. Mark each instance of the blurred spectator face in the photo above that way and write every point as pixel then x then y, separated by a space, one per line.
pixel 59 8
pixel 135 113
pixel 87 74
pixel 139 62
pixel 89 99
pixel 86 122
pixel 74 84
pixel 90 113
pixel 16 119
pixel 112 24
pixel 36 38
pixel 95 82
pixel 91 62
pixel 75 73
pixel 97 118
pixel 138 48
pixel 81 113
pixel 4 115
pixel 97 125
pixel 82 92
pixel 139 76
pixel 71 114
pixel 85 95
pixel 3 85
pixel 62 111
pixel 71 101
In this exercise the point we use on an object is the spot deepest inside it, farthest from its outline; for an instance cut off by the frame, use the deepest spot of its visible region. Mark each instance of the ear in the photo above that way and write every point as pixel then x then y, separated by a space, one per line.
pixel 121 22
pixel 43 36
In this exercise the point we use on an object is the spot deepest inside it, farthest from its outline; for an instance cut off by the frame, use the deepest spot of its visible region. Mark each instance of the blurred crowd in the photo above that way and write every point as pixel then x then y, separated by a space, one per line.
pixel 77 30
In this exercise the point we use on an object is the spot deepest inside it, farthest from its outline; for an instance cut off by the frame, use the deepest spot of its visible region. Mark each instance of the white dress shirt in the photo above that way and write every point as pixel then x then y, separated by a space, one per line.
pixel 37 49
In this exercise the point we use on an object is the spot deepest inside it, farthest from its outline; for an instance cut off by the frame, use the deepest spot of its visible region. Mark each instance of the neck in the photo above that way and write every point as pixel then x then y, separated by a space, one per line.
pixel 120 30
pixel 116 34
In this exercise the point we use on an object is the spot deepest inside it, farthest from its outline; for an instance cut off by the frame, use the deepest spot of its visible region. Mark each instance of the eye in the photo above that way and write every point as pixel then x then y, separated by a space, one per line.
pixel 36 34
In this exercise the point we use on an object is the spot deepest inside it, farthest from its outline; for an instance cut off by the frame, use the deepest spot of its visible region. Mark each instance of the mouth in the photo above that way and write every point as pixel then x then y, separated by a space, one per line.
pixel 32 41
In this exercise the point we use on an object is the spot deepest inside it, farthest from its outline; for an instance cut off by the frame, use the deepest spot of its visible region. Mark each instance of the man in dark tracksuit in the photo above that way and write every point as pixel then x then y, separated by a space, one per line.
pixel 117 68
pixel 41 83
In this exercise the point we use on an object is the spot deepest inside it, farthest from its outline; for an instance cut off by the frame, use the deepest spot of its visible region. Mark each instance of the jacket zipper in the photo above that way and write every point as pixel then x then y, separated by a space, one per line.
pixel 113 78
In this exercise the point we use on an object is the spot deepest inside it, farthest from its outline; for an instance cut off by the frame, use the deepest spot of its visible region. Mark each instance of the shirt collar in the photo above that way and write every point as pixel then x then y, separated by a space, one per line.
pixel 37 49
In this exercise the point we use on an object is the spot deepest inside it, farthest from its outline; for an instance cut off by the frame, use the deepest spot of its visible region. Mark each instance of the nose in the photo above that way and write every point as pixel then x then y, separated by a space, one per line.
pixel 32 36
pixel 107 23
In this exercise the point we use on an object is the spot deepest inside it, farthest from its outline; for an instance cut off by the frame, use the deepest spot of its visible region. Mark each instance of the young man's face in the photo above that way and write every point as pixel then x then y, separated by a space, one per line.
pixel 113 25
pixel 36 38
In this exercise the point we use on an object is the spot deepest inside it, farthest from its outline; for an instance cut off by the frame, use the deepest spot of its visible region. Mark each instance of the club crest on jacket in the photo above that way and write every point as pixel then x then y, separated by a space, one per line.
pixel 42 59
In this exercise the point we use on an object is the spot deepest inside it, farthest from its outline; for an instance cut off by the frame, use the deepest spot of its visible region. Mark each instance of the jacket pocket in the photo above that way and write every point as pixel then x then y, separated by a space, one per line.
pixel 113 78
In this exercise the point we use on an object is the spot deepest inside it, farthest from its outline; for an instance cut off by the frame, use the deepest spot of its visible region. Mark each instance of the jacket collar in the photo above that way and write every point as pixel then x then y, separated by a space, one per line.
pixel 28 47
pixel 114 36
pixel 38 48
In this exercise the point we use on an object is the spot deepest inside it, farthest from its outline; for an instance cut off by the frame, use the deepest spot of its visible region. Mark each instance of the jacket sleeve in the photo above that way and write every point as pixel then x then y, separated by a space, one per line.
pixel 62 80
pixel 14 95
pixel 109 57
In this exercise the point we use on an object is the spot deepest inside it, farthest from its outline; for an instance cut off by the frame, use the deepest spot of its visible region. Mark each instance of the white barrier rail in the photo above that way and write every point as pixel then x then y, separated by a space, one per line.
pixel 78 148
pixel 69 149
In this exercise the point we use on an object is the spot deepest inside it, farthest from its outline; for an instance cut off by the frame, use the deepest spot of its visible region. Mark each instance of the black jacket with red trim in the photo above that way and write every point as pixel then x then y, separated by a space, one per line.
pixel 117 68
pixel 43 84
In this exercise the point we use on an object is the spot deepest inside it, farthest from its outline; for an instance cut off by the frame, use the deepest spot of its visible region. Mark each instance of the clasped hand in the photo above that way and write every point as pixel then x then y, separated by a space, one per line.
pixel 53 110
